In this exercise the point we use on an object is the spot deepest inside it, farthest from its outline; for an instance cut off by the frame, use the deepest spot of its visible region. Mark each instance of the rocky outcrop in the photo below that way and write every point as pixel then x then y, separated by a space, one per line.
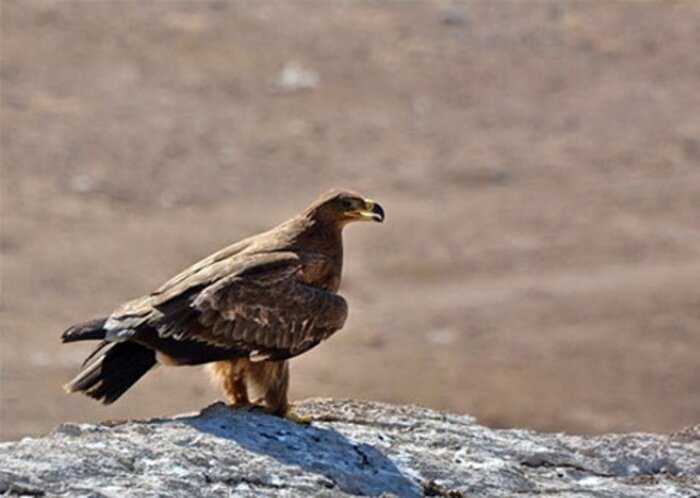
pixel 352 448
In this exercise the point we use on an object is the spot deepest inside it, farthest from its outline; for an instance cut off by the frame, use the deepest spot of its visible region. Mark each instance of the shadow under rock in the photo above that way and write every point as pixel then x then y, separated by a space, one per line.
pixel 354 468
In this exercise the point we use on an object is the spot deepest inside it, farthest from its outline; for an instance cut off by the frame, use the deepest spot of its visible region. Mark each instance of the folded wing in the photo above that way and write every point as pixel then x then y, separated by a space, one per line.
pixel 253 305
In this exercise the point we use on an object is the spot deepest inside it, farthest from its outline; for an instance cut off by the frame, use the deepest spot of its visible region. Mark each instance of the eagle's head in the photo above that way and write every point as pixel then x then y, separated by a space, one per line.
pixel 340 206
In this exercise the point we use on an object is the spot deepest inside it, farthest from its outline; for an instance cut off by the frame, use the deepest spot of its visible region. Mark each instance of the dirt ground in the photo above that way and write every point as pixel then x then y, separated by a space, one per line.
pixel 539 163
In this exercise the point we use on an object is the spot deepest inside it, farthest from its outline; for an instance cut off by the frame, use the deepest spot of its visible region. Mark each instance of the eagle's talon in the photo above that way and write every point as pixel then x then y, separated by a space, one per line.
pixel 244 406
pixel 296 418
pixel 261 408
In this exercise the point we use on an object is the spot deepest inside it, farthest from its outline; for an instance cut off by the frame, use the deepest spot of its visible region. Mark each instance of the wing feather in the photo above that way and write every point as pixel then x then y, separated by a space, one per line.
pixel 271 309
pixel 253 303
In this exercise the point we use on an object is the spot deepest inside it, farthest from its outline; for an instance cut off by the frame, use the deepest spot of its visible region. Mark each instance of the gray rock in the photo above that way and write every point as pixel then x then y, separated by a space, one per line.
pixel 352 448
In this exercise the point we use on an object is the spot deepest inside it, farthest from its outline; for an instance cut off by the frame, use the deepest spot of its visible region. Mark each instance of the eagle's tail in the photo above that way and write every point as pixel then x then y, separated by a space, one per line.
pixel 117 367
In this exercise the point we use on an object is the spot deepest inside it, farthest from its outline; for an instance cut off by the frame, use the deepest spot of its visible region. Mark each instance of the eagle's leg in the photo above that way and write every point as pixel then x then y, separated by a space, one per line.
pixel 271 380
pixel 231 375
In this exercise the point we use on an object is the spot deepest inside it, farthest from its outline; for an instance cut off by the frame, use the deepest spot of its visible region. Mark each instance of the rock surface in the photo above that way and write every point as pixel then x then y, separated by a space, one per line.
pixel 351 448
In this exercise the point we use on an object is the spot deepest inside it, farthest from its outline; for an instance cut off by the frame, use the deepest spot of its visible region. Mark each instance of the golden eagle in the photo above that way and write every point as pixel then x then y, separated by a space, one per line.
pixel 245 309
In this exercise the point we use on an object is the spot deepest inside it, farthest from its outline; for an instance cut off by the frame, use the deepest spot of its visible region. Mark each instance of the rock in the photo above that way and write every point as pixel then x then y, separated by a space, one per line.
pixel 352 448
pixel 84 183
pixel 454 15
pixel 294 78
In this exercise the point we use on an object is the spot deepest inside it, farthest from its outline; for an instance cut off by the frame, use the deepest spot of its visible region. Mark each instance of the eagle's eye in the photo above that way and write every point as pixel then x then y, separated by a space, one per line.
pixel 348 204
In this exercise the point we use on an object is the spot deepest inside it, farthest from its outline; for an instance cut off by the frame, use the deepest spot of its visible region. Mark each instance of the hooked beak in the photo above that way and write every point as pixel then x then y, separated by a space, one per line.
pixel 370 212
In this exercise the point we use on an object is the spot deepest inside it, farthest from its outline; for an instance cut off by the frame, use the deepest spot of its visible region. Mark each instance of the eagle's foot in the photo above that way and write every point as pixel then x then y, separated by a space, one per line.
pixel 288 414
pixel 247 405
pixel 296 418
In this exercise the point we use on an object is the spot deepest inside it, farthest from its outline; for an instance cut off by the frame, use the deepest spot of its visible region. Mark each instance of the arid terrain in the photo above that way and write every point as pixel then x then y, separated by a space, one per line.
pixel 539 163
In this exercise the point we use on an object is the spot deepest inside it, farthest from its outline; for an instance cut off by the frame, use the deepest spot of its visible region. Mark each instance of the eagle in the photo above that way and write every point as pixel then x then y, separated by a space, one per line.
pixel 245 310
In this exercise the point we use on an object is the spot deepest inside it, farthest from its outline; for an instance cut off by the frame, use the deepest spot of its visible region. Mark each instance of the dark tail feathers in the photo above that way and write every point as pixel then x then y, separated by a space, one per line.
pixel 85 331
pixel 117 367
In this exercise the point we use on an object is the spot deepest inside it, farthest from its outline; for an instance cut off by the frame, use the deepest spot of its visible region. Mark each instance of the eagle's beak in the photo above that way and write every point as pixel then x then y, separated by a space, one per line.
pixel 371 212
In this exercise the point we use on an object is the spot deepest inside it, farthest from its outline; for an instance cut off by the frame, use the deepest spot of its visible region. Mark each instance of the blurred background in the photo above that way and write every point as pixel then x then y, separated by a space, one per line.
pixel 539 163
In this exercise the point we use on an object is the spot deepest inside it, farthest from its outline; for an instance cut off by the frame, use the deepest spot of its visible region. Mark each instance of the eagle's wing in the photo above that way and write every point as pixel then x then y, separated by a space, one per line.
pixel 255 305
pixel 205 270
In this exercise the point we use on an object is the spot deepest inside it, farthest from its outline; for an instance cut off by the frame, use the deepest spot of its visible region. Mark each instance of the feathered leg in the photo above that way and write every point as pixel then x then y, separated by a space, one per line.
pixel 231 375
pixel 271 380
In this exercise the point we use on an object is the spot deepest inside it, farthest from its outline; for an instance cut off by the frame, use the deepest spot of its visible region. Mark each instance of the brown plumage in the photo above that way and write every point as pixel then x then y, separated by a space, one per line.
pixel 245 309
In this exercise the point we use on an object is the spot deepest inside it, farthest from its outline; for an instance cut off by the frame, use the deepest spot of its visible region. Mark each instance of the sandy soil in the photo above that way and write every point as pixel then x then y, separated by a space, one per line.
pixel 539 163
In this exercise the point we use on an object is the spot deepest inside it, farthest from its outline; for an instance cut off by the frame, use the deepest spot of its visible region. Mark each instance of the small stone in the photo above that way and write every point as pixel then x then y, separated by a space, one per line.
pixel 454 16
pixel 295 78
pixel 83 183
pixel 441 336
